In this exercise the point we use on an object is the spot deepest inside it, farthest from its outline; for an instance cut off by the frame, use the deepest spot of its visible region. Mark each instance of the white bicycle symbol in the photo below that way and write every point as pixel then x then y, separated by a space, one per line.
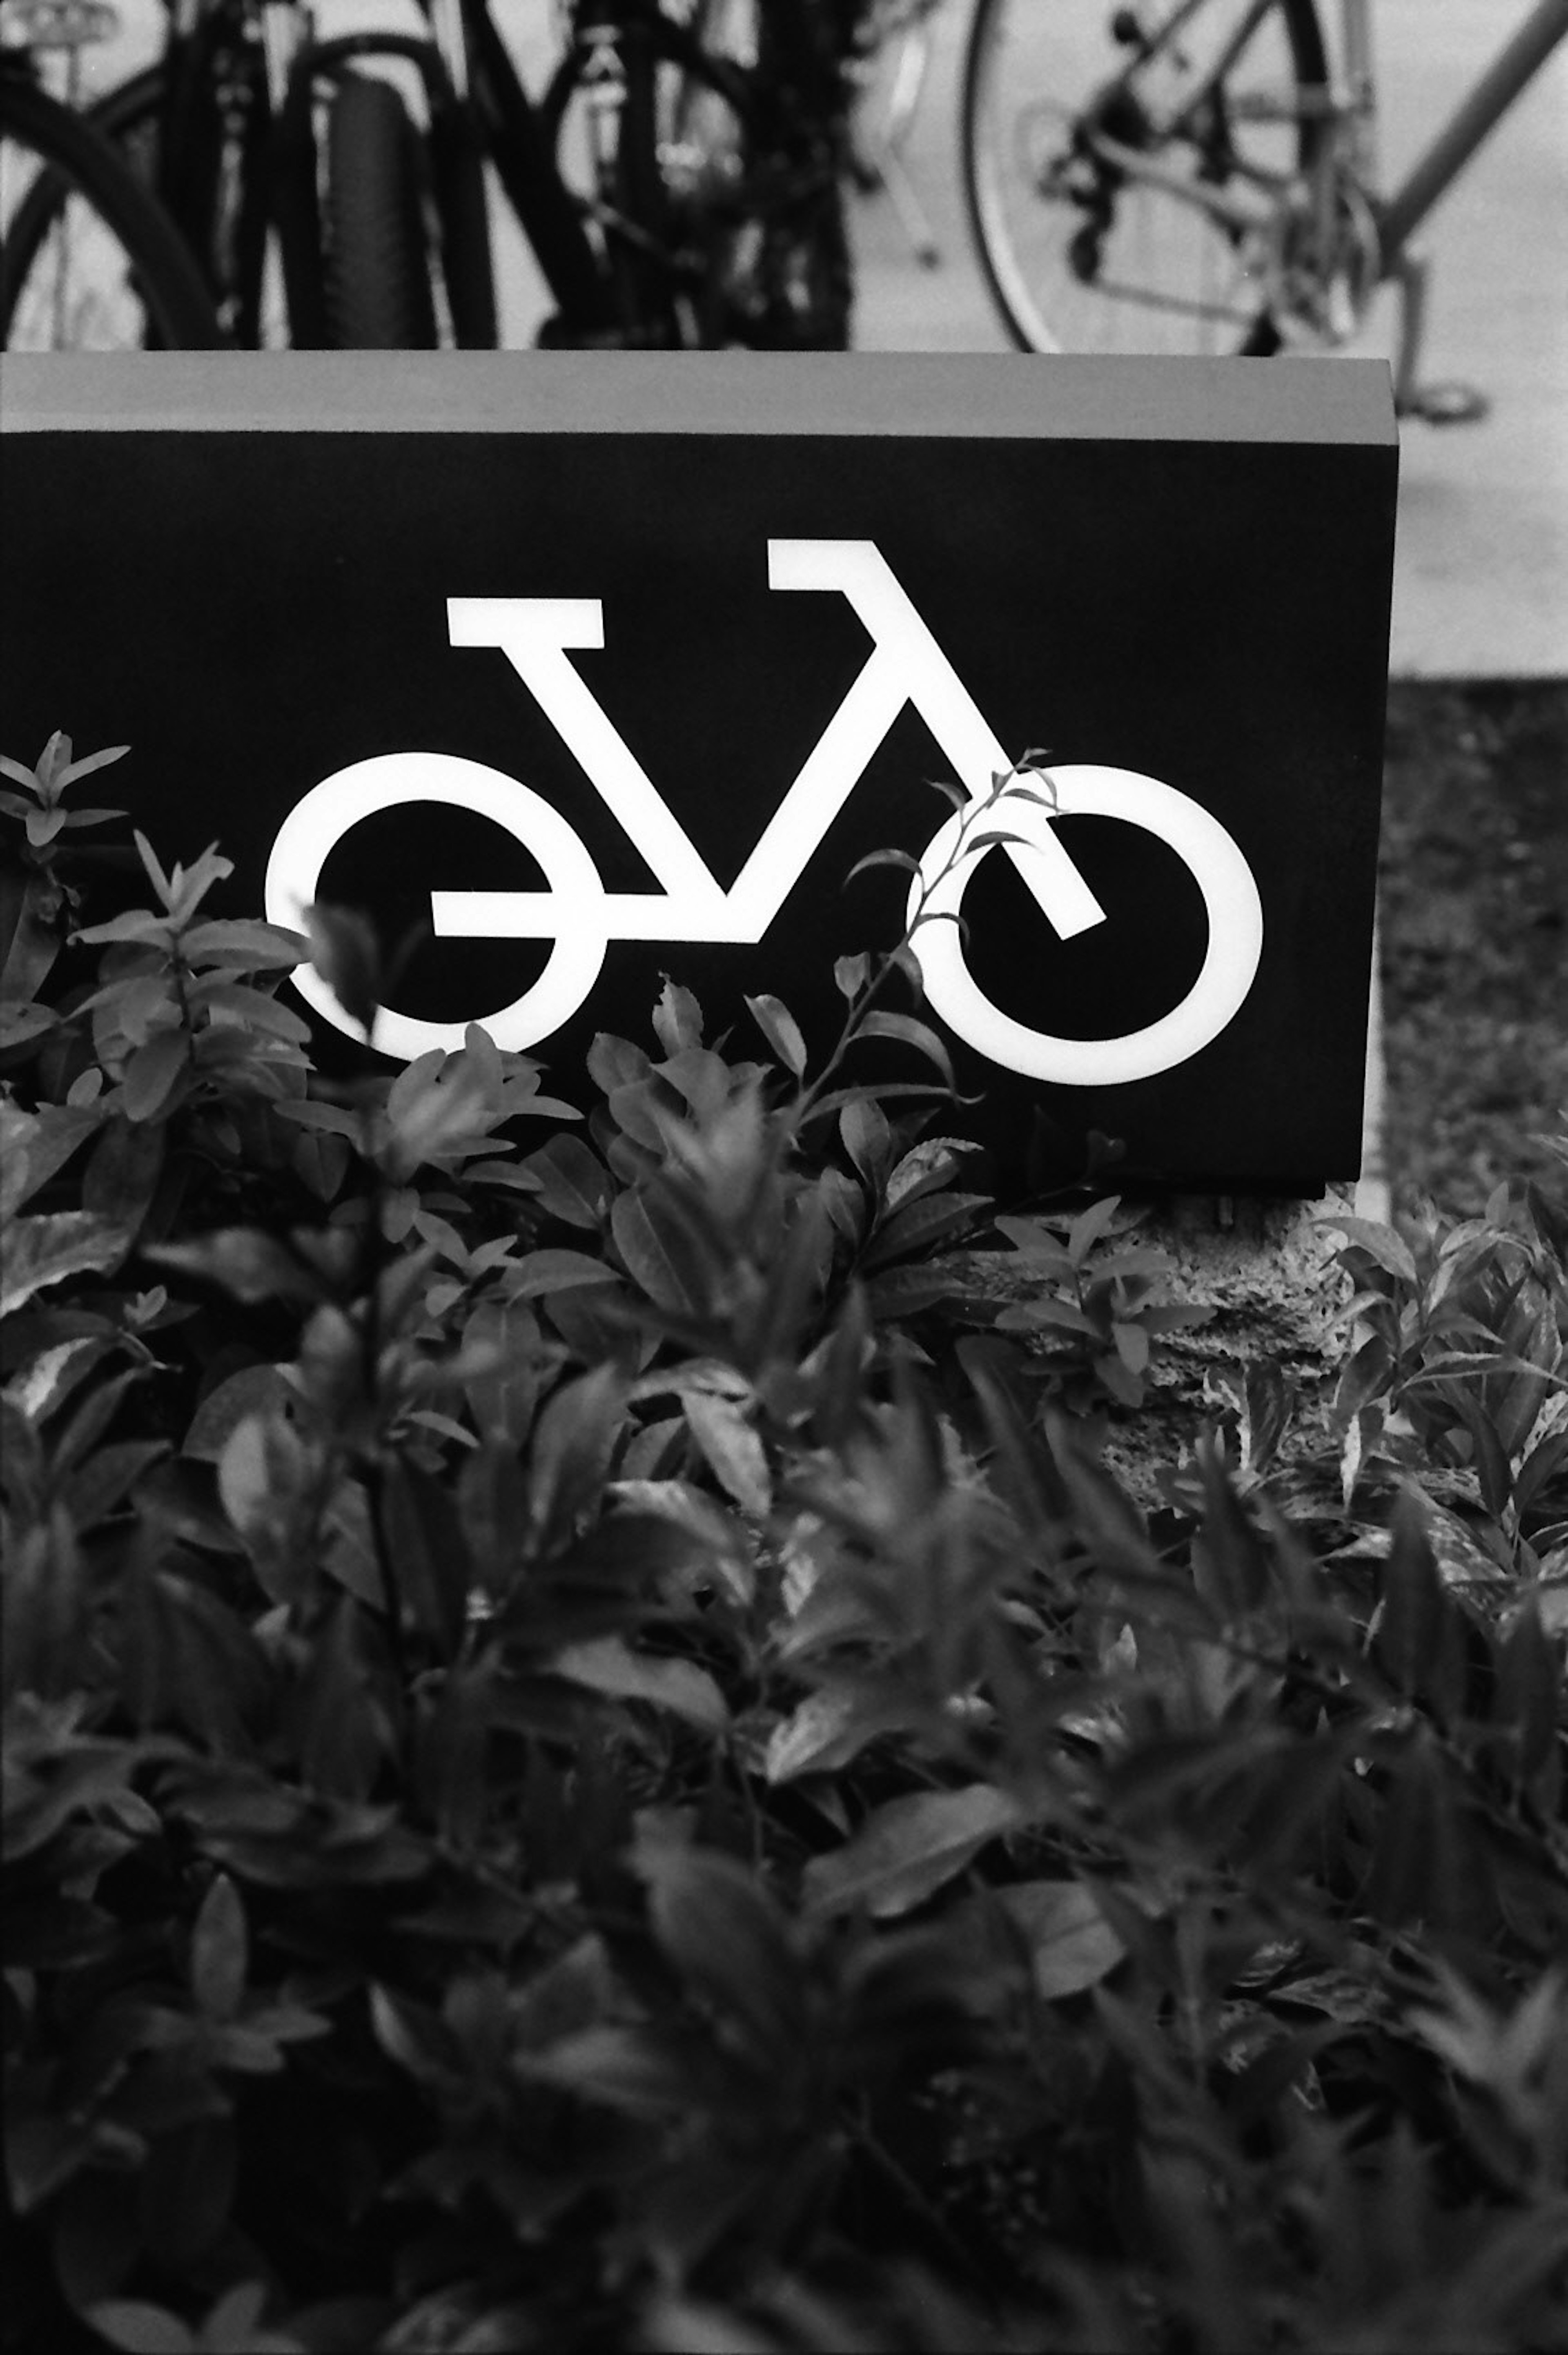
pixel 576 912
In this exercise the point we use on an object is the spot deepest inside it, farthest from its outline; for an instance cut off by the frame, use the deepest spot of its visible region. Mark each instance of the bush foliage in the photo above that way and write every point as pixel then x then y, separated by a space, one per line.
pixel 595 1758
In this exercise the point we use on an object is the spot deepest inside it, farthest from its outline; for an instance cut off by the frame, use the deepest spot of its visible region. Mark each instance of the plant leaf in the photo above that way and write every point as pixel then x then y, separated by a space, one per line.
pixel 734 1452
pixel 867 1139
pixel 219 1951
pixel 779 1029
pixel 573 1183
pixel 542 1271
pixel 656 1257
pixel 907 1848
pixel 910 1033
pixel 899 859
pixel 1383 1243
pixel 48 1248
pixel 153 1074
pixel 1071 1944
pixel 678 1018
pixel 140 2328
pixel 849 975
pixel 248 946
pixel 246 1261
pixel 606 1664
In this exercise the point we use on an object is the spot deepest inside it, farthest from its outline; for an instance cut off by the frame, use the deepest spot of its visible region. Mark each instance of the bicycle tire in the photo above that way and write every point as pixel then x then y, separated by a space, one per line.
pixel 101 267
pixel 228 240
pixel 458 169
pixel 446 147
pixel 379 295
pixel 128 117
pixel 1079 256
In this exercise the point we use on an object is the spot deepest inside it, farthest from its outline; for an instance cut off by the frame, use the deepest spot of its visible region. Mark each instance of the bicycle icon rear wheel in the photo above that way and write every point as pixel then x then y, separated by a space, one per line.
pixel 1231 903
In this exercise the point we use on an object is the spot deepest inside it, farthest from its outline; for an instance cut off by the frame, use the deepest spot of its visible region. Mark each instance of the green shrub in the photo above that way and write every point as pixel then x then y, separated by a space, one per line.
pixel 594 1758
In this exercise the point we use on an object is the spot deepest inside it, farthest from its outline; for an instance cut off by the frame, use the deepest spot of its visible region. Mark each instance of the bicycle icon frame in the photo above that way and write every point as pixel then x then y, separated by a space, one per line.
pixel 905 666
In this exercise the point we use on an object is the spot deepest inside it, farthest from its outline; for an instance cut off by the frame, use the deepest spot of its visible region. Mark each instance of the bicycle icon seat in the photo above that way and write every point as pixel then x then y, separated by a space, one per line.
pixel 579 918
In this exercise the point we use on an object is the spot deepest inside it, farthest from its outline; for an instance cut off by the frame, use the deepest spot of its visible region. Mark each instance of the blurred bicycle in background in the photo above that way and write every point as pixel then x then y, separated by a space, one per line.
pixel 1203 175
pixel 681 176
pixel 105 266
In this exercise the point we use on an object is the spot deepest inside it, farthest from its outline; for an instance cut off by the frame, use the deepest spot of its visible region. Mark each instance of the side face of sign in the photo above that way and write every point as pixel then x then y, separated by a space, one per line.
pixel 590 707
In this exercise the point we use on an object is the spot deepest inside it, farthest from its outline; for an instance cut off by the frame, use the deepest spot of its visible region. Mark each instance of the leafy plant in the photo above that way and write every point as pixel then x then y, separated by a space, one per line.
pixel 38 896
pixel 595 1755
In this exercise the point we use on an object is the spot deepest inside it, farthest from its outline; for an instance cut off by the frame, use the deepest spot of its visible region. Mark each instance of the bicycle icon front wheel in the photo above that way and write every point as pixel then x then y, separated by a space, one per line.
pixel 1230 904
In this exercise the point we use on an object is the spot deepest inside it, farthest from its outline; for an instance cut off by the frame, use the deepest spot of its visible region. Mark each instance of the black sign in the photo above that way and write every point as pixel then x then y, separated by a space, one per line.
pixel 604 666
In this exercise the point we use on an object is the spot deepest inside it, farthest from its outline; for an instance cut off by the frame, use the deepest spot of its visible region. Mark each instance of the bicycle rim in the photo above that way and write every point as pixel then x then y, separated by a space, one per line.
pixel 1119 202
pixel 218 200
pixel 98 266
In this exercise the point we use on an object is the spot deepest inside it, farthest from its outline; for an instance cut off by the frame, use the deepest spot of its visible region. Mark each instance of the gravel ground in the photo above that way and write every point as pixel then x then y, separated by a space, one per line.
pixel 1475 923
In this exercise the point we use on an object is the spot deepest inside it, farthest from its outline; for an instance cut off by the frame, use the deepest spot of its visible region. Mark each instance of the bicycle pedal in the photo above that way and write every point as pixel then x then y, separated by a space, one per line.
pixel 1450 404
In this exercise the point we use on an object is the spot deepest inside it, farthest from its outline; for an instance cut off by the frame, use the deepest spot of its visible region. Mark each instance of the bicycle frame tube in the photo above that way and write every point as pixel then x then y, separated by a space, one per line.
pixel 1223 63
pixel 526 167
pixel 1476 115
pixel 446 29
pixel 1354 102
pixel 284 31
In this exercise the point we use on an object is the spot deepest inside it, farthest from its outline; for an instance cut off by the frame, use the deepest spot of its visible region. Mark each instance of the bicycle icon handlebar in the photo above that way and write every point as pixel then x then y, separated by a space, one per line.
pixel 574 911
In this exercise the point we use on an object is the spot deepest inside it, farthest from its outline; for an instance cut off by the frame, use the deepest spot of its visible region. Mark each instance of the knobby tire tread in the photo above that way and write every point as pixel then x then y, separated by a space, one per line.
pixel 378 265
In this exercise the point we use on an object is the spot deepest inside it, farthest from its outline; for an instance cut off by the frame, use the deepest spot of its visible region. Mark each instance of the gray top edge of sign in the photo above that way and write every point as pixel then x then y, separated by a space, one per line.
pixel 991 396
